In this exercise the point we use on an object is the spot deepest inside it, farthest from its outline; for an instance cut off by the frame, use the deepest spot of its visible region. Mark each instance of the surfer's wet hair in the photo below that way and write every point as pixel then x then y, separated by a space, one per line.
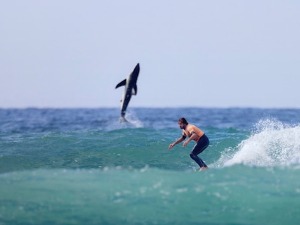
pixel 183 120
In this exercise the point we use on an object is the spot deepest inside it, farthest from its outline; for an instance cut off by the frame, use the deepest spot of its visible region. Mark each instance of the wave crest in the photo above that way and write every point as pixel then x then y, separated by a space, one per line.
pixel 271 144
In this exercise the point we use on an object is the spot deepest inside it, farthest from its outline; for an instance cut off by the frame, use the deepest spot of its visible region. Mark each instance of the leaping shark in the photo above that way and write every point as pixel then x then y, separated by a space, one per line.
pixel 130 89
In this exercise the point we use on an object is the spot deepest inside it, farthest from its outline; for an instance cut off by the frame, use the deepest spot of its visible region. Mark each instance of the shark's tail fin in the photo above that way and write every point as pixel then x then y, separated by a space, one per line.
pixel 123 119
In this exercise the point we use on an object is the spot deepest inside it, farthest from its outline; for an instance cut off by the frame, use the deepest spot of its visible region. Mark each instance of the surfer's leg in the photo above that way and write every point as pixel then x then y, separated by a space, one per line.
pixel 199 147
pixel 198 160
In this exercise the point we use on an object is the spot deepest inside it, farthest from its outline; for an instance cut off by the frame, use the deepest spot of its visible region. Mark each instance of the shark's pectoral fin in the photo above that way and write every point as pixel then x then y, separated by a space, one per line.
pixel 134 90
pixel 122 83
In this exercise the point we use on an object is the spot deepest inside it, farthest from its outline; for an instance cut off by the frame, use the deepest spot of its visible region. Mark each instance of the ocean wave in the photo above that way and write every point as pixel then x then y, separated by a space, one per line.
pixel 272 143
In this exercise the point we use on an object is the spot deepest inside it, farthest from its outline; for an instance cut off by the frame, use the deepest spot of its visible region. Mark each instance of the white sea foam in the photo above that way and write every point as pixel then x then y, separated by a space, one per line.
pixel 271 144
pixel 132 121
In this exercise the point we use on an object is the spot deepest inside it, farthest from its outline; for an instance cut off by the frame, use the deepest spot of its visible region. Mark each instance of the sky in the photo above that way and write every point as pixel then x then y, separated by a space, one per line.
pixel 192 53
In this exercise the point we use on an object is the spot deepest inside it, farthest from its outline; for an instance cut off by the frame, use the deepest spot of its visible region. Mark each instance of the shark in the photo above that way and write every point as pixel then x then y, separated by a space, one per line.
pixel 130 89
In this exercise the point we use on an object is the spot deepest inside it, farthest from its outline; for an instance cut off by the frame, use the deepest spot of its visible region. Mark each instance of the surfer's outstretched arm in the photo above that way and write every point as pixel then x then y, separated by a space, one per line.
pixel 181 139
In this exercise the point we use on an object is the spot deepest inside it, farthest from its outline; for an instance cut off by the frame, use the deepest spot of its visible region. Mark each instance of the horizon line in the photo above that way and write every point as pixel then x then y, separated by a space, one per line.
pixel 151 107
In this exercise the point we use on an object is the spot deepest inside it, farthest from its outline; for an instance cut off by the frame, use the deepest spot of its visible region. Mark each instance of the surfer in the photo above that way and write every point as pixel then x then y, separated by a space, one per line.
pixel 196 134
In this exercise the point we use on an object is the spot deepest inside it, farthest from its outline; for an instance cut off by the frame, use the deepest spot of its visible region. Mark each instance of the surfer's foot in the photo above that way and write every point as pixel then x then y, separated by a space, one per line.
pixel 203 168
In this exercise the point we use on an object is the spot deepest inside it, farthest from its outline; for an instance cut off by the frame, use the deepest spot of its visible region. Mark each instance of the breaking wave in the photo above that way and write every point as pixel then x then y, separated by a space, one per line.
pixel 272 143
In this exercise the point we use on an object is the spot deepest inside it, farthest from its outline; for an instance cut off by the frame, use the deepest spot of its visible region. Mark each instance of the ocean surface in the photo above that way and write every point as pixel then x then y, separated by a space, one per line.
pixel 82 166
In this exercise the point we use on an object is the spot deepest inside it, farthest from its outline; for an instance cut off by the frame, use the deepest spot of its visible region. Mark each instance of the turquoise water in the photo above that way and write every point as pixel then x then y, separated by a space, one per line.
pixel 81 166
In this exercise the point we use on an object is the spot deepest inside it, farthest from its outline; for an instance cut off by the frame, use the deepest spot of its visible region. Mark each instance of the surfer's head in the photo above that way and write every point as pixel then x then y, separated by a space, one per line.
pixel 182 123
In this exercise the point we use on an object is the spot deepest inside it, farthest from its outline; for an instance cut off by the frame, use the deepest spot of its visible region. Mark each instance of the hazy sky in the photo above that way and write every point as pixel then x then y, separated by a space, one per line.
pixel 219 53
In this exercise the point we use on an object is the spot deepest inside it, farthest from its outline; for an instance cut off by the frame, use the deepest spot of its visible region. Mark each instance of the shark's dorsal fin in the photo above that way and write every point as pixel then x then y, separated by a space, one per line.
pixel 134 90
pixel 122 83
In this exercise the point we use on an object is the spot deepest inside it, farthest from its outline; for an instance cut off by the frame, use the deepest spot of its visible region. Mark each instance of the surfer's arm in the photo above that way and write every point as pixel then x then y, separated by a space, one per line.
pixel 194 136
pixel 181 139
